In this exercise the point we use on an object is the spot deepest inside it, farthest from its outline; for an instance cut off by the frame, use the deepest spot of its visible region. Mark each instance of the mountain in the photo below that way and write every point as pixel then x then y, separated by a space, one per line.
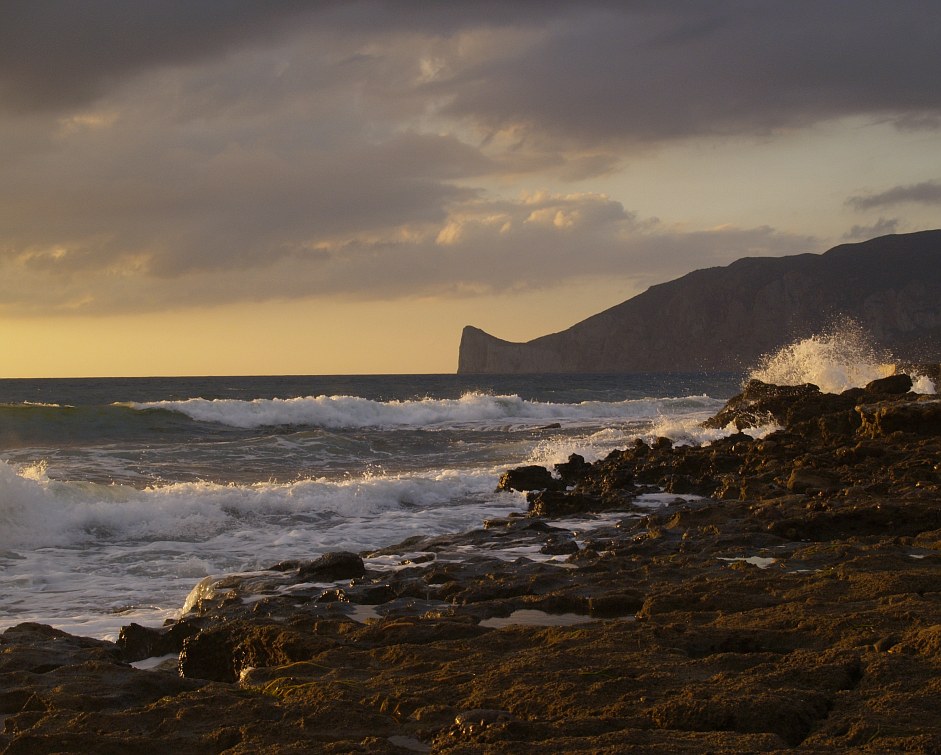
pixel 725 318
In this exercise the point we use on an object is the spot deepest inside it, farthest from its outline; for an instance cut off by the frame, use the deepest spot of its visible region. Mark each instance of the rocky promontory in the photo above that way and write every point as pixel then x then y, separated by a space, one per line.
pixel 772 591
pixel 727 318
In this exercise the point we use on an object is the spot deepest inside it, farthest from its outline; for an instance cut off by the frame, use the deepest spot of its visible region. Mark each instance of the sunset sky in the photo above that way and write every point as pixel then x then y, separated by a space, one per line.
pixel 303 187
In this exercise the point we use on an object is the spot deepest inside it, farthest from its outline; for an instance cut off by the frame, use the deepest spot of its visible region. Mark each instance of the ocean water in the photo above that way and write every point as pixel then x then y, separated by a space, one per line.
pixel 118 495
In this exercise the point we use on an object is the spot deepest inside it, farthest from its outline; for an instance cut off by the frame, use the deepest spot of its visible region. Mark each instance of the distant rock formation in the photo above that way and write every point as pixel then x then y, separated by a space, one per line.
pixel 726 318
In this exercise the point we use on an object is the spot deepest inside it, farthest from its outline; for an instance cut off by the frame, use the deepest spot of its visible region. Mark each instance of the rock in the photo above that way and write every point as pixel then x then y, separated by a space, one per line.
pixel 532 477
pixel 39 648
pixel 573 470
pixel 762 404
pixel 331 567
pixel 800 611
pixel 137 642
pixel 810 481
pixel 222 653
pixel 915 417
pixel 558 545
pixel 892 385
pixel 556 503
pixel 469 722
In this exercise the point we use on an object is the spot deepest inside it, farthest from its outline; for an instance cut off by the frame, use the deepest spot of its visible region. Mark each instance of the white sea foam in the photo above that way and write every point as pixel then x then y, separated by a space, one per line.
pixel 36 511
pixel 923 384
pixel 478 409
pixel 89 558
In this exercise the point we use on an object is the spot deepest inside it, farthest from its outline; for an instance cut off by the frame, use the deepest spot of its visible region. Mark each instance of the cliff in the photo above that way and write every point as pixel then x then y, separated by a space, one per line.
pixel 725 318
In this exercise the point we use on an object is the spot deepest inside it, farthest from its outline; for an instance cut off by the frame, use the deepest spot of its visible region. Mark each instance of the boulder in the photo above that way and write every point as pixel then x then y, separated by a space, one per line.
pixel 573 470
pixel 762 404
pixel 331 567
pixel 531 477
pixel 893 385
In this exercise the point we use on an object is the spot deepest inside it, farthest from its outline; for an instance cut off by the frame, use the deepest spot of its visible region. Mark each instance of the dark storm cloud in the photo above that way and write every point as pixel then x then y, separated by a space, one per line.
pixel 598 70
pixel 62 53
pixel 927 192
pixel 684 69
pixel 58 54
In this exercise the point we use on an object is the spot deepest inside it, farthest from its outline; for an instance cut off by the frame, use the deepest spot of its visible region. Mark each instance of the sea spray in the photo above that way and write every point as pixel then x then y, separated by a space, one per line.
pixel 839 358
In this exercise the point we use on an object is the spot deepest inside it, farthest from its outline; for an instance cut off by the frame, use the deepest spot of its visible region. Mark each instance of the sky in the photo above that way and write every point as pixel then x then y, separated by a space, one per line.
pixel 197 187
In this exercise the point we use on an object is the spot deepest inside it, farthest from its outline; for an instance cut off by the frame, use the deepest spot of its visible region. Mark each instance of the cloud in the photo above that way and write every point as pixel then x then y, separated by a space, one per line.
pixel 927 192
pixel 592 72
pixel 158 155
pixel 682 69
pixel 882 227
pixel 60 54
pixel 479 246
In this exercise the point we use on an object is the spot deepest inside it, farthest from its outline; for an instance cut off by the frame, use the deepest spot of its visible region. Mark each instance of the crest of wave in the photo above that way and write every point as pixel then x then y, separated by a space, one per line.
pixel 841 357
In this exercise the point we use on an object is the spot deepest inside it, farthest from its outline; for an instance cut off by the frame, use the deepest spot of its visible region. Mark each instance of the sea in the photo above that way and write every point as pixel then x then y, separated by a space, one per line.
pixel 117 496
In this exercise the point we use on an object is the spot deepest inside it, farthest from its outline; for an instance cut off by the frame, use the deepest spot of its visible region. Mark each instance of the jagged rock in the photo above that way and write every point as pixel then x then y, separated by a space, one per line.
pixel 762 404
pixel 557 503
pixel 39 648
pixel 222 652
pixel 137 642
pixel 531 477
pixel 573 470
pixel 916 417
pixel 332 566
pixel 811 481
pixel 891 385
pixel 558 545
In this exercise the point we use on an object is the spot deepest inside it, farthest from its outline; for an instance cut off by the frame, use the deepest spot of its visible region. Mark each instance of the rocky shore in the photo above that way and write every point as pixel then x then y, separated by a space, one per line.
pixel 759 594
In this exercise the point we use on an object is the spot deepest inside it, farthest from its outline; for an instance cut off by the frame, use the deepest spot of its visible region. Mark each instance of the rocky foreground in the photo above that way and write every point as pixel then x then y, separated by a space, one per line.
pixel 786 596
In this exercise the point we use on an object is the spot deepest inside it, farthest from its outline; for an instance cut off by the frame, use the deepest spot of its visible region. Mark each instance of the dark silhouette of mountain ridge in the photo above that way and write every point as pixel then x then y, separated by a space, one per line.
pixel 726 318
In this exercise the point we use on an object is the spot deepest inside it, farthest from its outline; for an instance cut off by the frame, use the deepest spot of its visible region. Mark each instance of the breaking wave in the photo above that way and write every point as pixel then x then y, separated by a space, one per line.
pixel 839 358
pixel 36 511
pixel 336 412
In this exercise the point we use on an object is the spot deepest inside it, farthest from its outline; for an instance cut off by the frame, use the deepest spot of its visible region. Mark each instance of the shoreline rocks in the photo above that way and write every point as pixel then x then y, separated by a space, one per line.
pixel 787 598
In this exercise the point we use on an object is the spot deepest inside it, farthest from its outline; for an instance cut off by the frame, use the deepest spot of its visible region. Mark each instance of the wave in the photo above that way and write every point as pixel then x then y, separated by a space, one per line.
pixel 37 511
pixel 351 412
pixel 839 358
pixel 42 424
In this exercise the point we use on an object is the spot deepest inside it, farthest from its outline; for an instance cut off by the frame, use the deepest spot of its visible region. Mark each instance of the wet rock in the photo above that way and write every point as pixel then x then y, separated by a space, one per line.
pixel 616 604
pixel 137 642
pixel 916 417
pixel 811 481
pixel 559 545
pixel 892 385
pixel 573 470
pixel 39 649
pixel 531 477
pixel 331 567
pixel 761 404
pixel 556 503
pixel 221 653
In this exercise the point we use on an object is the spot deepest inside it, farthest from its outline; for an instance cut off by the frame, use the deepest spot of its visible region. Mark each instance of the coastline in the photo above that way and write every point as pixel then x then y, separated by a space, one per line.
pixel 794 605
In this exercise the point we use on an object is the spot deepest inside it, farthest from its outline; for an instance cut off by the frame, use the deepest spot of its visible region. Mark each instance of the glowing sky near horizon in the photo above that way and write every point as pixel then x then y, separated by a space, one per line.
pixel 339 187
